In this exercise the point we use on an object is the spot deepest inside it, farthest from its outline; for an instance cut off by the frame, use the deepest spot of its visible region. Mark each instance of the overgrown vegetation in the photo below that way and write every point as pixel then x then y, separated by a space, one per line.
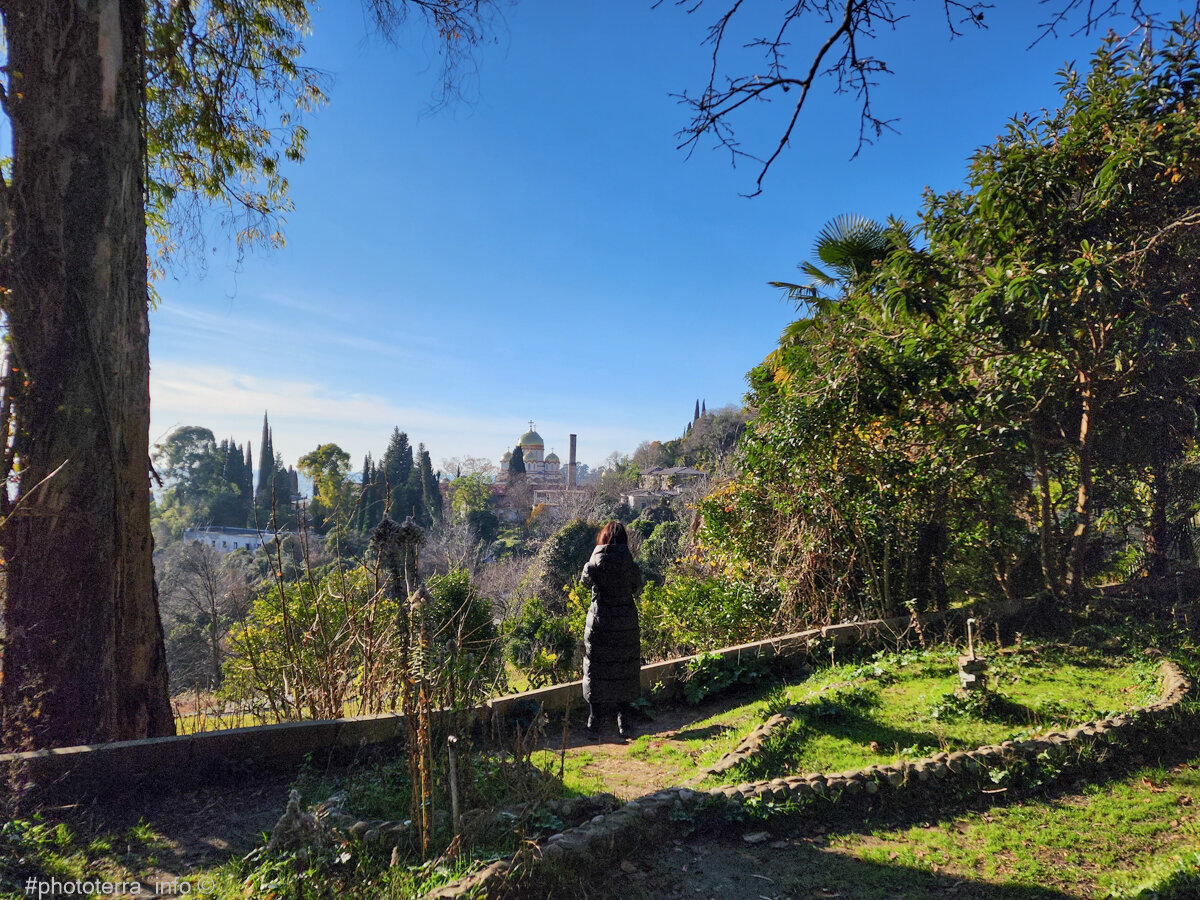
pixel 1000 399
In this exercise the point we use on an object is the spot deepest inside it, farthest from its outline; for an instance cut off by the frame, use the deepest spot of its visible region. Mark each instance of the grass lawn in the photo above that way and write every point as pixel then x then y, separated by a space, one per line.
pixel 902 706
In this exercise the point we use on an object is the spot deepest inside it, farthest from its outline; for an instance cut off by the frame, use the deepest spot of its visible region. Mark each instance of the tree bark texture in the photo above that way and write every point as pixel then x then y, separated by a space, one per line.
pixel 84 658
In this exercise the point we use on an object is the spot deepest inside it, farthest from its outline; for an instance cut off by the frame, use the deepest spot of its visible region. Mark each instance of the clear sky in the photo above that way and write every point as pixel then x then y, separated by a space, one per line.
pixel 543 251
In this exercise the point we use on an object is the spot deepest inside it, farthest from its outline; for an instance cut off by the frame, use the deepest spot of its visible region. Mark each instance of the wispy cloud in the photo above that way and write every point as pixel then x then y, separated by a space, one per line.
pixel 305 414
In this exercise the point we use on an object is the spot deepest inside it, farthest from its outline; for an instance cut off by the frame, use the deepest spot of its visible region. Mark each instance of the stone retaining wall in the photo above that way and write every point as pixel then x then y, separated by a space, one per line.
pixel 186 760
pixel 606 837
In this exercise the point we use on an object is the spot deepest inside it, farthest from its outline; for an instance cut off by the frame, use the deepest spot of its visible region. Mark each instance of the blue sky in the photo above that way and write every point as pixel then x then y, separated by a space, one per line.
pixel 543 251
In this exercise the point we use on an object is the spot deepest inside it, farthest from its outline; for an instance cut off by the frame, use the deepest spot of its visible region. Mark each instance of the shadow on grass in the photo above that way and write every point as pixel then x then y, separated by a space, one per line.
pixel 700 734
pixel 725 866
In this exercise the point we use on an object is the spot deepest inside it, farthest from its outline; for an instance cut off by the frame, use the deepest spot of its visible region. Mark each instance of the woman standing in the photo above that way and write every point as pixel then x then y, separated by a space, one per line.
pixel 612 644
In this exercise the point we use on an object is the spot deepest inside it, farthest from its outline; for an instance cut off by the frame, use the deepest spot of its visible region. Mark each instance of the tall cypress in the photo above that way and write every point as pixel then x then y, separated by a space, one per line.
pixel 414 496
pixel 431 489
pixel 358 522
pixel 281 487
pixel 516 462
pixel 247 485
pixel 696 414
pixel 266 468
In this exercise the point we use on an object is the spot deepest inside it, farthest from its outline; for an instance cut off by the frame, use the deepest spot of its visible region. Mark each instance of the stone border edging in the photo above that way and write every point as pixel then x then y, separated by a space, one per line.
pixel 748 747
pixel 607 836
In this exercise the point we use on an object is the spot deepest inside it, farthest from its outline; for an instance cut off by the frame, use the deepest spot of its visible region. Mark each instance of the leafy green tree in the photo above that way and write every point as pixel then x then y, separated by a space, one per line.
pixel 1068 260
pixel 958 409
pixel 327 467
pixel 471 493
pixel 198 489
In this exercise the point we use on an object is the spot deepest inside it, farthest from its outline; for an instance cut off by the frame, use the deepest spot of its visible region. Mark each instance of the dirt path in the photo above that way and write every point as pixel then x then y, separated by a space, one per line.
pixel 613 761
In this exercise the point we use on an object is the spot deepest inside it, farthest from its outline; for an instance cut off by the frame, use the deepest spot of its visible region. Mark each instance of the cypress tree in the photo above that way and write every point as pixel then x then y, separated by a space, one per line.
pixel 281 487
pixel 703 408
pixel 247 485
pixel 414 496
pixel 358 521
pixel 431 490
pixel 266 468
pixel 516 463
pixel 395 470
pixel 696 414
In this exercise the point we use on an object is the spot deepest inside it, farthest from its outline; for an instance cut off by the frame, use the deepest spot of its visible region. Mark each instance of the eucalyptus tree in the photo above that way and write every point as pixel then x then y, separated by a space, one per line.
pixel 142 111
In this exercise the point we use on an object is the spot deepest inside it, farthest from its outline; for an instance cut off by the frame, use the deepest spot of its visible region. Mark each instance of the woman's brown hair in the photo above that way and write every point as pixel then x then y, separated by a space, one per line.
pixel 612 533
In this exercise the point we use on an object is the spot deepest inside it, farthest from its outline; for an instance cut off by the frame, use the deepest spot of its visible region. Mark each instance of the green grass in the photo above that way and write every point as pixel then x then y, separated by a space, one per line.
pixel 699 745
pixel 576 781
pixel 36 848
pixel 1115 838
pixel 902 706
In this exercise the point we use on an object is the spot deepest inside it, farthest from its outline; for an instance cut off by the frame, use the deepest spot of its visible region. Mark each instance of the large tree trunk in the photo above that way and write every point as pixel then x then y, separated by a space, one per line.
pixel 84 658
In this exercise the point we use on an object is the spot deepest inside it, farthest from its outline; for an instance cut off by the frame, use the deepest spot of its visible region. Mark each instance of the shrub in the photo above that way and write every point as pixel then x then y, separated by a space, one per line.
pixel 560 562
pixel 309 648
pixel 542 645
pixel 686 614
pixel 658 551
pixel 710 673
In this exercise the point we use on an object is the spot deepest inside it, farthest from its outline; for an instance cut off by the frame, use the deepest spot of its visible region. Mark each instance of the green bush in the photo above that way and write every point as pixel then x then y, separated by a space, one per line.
pixel 659 550
pixel 710 673
pixel 560 562
pixel 686 614
pixel 542 645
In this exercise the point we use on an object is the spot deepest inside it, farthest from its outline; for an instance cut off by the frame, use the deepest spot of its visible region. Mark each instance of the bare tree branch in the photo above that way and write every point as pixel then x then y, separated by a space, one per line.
pixel 843 56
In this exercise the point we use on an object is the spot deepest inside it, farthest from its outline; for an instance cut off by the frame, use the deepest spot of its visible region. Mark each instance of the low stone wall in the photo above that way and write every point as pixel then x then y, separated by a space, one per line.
pixel 606 837
pixel 185 760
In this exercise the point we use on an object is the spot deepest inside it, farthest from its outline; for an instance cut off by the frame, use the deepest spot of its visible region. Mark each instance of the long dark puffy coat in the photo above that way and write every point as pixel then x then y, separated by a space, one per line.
pixel 611 641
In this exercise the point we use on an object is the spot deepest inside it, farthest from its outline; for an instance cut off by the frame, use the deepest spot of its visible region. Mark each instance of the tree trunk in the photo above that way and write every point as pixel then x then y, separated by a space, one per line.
pixel 1083 500
pixel 1158 536
pixel 1051 568
pixel 928 585
pixel 84 658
